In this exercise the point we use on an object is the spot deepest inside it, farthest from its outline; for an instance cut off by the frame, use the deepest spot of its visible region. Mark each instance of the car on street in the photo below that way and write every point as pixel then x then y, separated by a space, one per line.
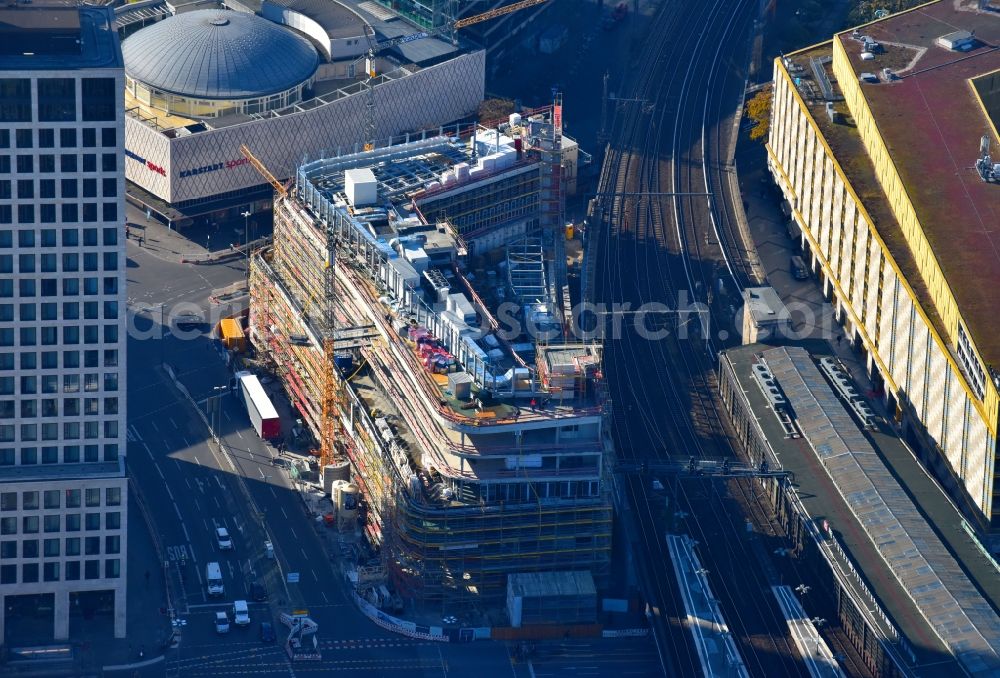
pixel 258 592
pixel 267 632
pixel 221 622
pixel 223 539
pixel 241 613
pixel 188 321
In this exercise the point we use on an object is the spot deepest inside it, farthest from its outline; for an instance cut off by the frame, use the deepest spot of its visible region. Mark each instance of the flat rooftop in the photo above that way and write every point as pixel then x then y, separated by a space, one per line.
pixel 931 120
pixel 336 19
pixel 821 498
pixel 549 584
pixel 57 35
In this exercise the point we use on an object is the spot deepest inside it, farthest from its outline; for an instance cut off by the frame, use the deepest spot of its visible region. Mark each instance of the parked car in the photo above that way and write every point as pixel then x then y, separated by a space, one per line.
pixel 267 632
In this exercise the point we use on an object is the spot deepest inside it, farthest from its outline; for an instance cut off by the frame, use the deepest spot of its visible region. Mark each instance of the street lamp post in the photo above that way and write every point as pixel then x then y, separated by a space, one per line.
pixel 246 238
pixel 214 409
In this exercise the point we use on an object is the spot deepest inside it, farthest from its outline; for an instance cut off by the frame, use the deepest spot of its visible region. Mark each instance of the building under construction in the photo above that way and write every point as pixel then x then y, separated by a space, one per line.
pixel 478 449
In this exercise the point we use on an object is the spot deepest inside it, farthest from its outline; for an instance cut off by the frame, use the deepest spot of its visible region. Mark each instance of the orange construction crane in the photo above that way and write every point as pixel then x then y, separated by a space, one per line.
pixel 376 47
pixel 280 188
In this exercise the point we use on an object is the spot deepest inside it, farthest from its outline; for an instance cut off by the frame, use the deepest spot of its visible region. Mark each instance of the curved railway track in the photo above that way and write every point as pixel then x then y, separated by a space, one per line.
pixel 663 390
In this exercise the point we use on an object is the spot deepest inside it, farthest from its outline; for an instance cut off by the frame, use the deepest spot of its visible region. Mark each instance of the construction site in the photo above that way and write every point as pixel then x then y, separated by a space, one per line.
pixel 465 451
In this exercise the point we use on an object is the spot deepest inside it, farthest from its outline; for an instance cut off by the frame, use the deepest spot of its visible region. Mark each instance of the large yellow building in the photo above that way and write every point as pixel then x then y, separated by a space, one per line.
pixel 874 142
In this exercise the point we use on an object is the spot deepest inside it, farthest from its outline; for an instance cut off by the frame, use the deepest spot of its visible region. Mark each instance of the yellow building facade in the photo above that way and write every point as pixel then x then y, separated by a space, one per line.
pixel 871 252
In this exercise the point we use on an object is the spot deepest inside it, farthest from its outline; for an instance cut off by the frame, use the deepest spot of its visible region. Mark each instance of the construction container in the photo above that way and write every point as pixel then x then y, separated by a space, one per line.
pixel 460 384
pixel 232 335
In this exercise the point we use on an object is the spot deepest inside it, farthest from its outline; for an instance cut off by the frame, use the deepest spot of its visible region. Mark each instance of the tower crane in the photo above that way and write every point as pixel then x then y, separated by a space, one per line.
pixel 375 47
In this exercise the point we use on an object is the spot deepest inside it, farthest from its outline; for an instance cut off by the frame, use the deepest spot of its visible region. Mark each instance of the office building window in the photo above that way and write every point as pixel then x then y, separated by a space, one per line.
pixel 56 99
pixel 99 99
pixel 73 570
pixel 50 571
pixel 15 100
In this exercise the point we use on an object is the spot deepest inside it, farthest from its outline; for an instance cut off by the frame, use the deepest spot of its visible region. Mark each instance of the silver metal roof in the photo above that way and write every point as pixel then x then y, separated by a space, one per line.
pixel 952 606
pixel 218 54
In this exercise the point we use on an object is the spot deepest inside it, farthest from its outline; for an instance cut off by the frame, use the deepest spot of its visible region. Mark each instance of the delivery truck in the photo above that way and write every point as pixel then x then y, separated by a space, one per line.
pixel 262 413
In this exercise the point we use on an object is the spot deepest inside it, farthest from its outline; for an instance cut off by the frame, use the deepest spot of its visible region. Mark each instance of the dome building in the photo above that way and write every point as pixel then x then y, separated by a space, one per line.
pixel 212 63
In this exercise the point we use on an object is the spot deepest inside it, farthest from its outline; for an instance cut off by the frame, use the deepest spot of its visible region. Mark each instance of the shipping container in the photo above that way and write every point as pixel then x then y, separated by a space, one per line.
pixel 232 335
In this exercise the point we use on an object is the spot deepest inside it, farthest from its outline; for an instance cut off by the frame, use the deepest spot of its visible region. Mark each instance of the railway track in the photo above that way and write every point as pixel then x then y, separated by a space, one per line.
pixel 656 250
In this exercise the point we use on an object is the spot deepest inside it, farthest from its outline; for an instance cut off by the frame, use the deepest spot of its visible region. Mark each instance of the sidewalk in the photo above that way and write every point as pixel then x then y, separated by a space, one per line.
pixel 148 626
pixel 198 242
pixel 774 251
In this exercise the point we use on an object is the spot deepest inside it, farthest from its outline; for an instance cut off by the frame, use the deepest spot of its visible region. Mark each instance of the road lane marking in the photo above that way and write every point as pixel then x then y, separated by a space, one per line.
pixel 303 550
pixel 292 530
pixel 179 517
pixel 239 434
pixel 157 467
pixel 186 441
pixel 196 460
pixel 273 493
pixel 188 483
pixel 197 507
pixel 173 423
pixel 149 451
pixel 153 424
pixel 169 493
pixel 314 575
pixel 135 432
pixel 217 502
pixel 325 599
pixel 186 535
pixel 283 512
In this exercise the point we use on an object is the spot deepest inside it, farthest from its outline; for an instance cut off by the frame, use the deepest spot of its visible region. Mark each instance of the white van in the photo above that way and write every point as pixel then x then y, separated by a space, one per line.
pixel 213 577
pixel 241 613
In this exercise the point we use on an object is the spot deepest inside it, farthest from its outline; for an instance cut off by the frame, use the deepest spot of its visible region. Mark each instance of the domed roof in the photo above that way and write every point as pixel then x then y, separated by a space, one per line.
pixel 218 54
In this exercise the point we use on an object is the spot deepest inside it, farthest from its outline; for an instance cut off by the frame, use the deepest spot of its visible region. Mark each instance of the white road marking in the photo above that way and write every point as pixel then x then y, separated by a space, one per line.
pixel 273 493
pixel 153 424
pixel 172 422
pixel 188 483
pixel 219 481
pixel 186 535
pixel 201 583
pixel 239 434
pixel 325 599
pixel 186 441
pixel 196 460
pixel 148 451
pixel 157 467
pixel 290 529
pixel 314 575
pixel 169 493
pixel 134 431
pixel 217 502
pixel 283 512
pixel 178 511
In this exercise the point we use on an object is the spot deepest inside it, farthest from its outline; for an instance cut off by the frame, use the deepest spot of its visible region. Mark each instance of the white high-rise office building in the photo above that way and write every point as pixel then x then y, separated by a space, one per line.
pixel 63 491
